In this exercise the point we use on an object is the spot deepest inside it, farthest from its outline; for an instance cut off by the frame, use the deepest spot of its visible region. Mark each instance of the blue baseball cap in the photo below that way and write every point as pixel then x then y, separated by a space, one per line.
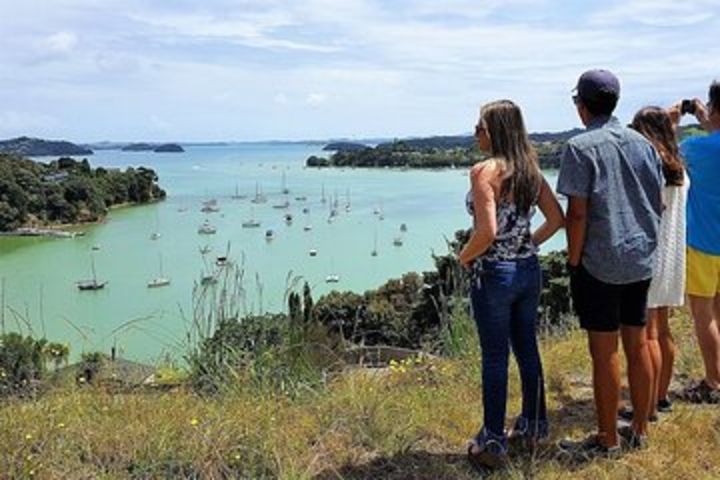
pixel 594 83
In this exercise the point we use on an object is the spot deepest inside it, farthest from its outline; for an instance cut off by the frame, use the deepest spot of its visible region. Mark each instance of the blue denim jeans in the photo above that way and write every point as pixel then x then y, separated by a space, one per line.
pixel 505 297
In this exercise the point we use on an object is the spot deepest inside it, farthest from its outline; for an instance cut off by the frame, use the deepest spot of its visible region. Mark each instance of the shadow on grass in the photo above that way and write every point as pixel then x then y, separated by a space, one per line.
pixel 415 465
pixel 574 414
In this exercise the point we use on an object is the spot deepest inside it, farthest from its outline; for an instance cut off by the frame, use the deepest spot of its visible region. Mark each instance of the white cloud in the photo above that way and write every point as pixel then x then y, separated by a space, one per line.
pixel 61 43
pixel 315 99
pixel 658 13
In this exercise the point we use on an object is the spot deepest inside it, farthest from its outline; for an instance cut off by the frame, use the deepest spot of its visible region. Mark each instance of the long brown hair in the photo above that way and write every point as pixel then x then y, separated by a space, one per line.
pixel 510 143
pixel 654 123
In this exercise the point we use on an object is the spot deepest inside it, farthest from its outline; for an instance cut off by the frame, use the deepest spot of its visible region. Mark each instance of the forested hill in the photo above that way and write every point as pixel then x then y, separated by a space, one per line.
pixel 67 191
pixel 36 147
pixel 447 151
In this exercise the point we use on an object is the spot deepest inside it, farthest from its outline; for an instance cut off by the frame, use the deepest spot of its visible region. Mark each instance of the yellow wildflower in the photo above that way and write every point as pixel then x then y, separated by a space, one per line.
pixel 194 422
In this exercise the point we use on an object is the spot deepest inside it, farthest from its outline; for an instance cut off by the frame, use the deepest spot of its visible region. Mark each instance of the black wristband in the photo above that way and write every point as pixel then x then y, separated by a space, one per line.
pixel 572 268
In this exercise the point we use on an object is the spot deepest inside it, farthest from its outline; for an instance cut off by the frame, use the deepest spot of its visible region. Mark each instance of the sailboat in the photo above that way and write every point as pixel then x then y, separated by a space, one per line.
pixel 259 196
pixel 236 195
pixel 332 277
pixel 252 223
pixel 285 204
pixel 284 184
pixel 398 241
pixel 161 280
pixel 156 234
pixel 374 252
pixel 308 225
pixel 347 200
pixel 322 196
pixel 93 284
pixel 403 227
pixel 206 228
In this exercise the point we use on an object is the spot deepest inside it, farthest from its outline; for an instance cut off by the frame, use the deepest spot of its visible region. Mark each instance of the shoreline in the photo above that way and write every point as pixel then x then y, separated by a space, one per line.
pixel 67 230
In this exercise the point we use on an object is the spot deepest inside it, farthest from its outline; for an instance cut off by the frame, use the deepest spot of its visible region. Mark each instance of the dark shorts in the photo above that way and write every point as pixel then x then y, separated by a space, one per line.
pixel 604 307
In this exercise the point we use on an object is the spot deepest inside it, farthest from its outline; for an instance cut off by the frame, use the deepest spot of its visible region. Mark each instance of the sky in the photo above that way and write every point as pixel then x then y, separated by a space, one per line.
pixel 221 70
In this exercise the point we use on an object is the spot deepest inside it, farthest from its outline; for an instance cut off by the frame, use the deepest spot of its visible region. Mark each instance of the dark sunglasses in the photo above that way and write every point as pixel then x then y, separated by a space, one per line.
pixel 479 129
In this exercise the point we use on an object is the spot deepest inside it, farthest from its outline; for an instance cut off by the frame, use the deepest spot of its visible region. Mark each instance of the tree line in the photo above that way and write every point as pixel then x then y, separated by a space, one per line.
pixel 67 191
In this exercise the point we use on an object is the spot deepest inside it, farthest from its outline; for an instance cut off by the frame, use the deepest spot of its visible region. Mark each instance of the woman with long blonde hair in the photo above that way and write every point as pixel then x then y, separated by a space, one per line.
pixel 506 277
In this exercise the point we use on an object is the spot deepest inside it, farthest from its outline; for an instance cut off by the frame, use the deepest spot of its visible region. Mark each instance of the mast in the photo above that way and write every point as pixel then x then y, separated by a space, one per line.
pixel 92 268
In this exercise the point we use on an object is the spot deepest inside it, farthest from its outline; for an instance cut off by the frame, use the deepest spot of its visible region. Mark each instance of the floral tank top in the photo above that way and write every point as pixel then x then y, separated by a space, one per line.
pixel 513 240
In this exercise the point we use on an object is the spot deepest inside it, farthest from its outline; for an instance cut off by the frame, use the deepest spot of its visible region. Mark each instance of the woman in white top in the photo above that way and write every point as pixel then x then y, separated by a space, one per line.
pixel 667 288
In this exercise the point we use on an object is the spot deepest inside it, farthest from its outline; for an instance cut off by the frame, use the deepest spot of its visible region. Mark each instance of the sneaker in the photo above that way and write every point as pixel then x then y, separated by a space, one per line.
pixel 526 435
pixel 701 393
pixel 489 456
pixel 588 449
pixel 626 414
pixel 664 406
pixel 631 440
pixel 488 451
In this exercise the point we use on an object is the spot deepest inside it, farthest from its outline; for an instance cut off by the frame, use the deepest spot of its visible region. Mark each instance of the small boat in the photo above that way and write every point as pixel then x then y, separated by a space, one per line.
pixel 161 280
pixel 269 235
pixel 95 247
pixel 93 284
pixel 252 223
pixel 288 218
pixel 284 205
pixel 222 261
pixel 210 209
pixel 403 228
pixel 306 210
pixel 397 241
pixel 301 198
pixel 86 285
pixel 155 236
pixel 307 228
pixel 237 195
pixel 208 279
pixel 332 278
pixel 374 252
pixel 322 196
pixel 158 282
pixel 259 196
pixel 207 229
pixel 284 184
pixel 313 252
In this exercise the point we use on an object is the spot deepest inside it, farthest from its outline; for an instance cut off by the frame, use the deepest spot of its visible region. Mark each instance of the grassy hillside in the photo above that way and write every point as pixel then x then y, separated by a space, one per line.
pixel 408 421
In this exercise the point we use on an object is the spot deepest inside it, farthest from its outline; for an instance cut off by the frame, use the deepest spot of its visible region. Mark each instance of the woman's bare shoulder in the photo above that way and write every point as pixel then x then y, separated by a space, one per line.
pixel 488 169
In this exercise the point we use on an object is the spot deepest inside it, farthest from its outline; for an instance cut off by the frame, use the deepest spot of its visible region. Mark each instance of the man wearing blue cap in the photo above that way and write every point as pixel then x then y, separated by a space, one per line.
pixel 612 177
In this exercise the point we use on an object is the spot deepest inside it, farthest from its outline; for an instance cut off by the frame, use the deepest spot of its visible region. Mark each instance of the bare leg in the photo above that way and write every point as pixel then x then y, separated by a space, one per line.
pixel 656 359
pixel 640 375
pixel 606 384
pixel 706 328
pixel 668 350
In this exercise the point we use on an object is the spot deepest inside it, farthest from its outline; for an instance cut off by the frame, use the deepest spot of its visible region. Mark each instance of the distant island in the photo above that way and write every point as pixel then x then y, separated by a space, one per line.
pixel 36 147
pixel 445 151
pixel 344 147
pixel 148 147
pixel 169 148
pixel 67 191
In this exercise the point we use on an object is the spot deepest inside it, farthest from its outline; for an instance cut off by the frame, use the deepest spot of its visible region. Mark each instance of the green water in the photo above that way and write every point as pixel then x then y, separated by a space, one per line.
pixel 40 274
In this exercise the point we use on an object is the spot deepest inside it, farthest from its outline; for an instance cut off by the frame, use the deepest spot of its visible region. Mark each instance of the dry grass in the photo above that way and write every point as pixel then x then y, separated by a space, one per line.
pixel 408 422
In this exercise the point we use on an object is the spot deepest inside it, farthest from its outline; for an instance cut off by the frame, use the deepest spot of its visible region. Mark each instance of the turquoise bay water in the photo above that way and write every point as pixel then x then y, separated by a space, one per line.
pixel 40 274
